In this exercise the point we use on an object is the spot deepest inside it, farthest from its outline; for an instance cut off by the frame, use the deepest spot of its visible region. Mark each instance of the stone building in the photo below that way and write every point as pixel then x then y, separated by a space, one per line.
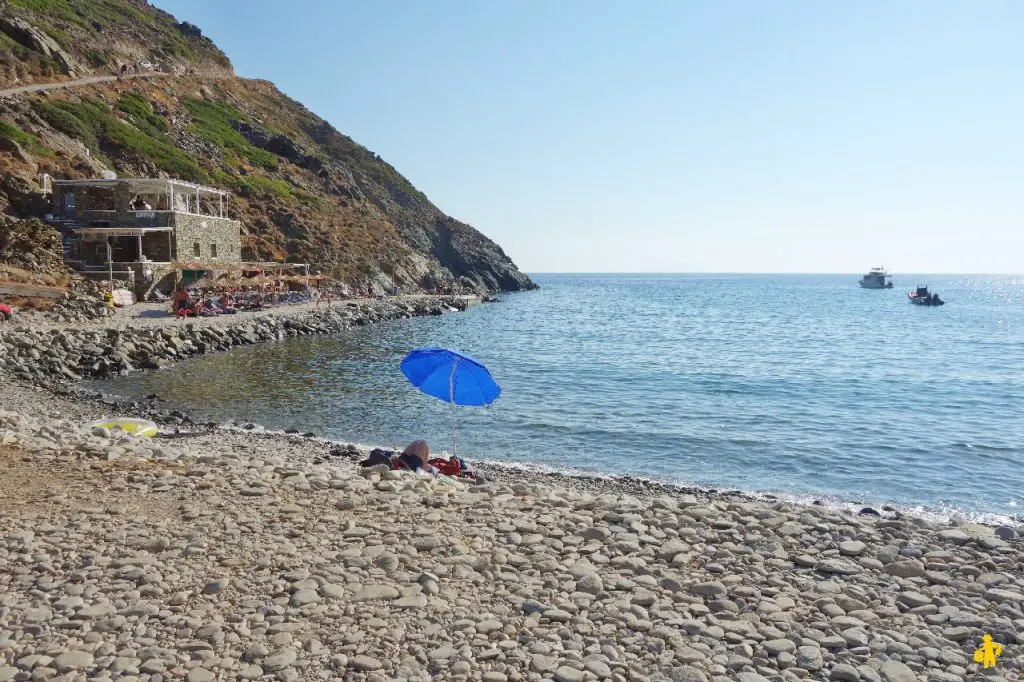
pixel 145 230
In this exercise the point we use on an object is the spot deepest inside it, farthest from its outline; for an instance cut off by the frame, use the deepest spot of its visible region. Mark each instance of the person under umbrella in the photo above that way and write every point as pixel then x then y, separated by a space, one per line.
pixel 415 457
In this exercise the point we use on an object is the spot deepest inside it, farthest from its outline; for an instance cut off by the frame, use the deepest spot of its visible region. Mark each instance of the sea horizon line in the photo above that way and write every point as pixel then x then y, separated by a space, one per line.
pixel 533 273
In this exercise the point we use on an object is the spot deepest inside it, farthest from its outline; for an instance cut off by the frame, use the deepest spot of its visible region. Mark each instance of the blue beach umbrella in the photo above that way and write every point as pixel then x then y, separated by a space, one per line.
pixel 451 376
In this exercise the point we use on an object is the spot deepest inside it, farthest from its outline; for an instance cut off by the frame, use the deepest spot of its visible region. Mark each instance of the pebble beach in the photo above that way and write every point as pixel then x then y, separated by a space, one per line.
pixel 220 553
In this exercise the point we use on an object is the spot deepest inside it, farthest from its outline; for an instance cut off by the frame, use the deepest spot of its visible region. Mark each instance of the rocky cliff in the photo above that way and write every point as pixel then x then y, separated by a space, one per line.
pixel 50 40
pixel 303 191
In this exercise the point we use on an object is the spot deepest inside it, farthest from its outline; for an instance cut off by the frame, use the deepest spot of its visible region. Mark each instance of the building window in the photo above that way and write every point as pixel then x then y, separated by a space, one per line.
pixel 213 250
pixel 197 250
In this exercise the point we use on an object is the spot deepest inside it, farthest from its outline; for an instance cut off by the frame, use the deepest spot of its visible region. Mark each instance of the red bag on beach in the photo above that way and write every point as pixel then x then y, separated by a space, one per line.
pixel 448 467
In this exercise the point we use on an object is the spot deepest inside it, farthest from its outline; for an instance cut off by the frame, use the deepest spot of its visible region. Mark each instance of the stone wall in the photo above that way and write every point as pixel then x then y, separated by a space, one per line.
pixel 55 356
pixel 207 231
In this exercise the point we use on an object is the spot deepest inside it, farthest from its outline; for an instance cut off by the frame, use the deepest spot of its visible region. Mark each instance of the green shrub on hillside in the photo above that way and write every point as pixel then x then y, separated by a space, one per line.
pixel 60 9
pixel 214 122
pixel 97 128
pixel 141 112
pixel 221 179
pixel 163 154
pixel 7 42
pixel 27 141
pixel 310 200
pixel 175 46
pixel 84 12
pixel 256 186
pixel 96 58
pixel 261 187
pixel 11 132
pixel 66 123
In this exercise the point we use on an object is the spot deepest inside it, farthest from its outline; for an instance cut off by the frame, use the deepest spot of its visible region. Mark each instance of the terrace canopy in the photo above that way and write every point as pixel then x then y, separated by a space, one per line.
pixel 268 272
pixel 187 197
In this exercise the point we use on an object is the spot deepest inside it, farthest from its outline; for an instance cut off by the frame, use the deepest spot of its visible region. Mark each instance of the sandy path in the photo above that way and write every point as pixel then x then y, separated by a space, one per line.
pixel 142 315
pixel 78 82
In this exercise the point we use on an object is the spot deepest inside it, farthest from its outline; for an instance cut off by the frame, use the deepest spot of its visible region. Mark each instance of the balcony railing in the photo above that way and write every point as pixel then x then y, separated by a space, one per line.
pixel 138 218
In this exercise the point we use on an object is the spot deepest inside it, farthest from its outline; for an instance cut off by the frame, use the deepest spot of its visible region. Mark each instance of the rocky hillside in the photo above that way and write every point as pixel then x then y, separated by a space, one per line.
pixel 303 191
pixel 48 40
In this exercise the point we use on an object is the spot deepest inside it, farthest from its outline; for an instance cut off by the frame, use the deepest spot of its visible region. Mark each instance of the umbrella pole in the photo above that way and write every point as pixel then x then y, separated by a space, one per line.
pixel 451 399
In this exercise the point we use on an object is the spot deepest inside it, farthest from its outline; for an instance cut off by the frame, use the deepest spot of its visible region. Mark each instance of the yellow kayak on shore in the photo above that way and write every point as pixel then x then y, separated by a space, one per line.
pixel 142 428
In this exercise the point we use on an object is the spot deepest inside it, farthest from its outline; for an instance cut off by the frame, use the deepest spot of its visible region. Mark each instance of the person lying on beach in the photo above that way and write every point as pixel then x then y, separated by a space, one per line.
pixel 415 457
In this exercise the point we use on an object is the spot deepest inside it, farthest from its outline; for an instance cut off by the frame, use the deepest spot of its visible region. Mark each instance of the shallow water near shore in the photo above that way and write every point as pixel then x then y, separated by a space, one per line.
pixel 805 386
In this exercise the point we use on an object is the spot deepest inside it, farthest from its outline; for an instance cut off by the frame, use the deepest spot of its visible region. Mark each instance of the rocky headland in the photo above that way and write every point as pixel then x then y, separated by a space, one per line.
pixel 302 190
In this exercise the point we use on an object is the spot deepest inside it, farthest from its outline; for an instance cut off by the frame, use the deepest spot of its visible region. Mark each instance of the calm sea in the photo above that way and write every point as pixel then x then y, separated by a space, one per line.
pixel 805 386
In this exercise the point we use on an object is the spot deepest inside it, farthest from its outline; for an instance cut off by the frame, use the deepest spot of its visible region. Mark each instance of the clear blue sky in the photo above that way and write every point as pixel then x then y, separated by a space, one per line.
pixel 587 135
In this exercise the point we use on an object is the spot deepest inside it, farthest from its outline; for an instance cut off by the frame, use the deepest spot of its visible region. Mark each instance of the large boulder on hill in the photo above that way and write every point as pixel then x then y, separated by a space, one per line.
pixel 33 248
pixel 14 149
pixel 278 144
pixel 31 37
pixel 17 192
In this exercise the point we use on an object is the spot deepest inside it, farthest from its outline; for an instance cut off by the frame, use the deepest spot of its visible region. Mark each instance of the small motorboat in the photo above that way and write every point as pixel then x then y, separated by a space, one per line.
pixel 921 296
pixel 877 278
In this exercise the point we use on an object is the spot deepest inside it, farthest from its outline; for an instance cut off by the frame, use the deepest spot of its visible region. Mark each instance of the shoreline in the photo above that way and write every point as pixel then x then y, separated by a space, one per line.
pixel 610 483
pixel 505 470
pixel 230 553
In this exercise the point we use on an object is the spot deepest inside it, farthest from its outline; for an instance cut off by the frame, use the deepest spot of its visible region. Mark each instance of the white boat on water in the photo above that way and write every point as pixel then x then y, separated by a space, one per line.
pixel 877 278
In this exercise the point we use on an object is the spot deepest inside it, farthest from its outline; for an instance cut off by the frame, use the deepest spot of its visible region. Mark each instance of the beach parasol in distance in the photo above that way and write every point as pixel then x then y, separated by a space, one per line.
pixel 451 376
